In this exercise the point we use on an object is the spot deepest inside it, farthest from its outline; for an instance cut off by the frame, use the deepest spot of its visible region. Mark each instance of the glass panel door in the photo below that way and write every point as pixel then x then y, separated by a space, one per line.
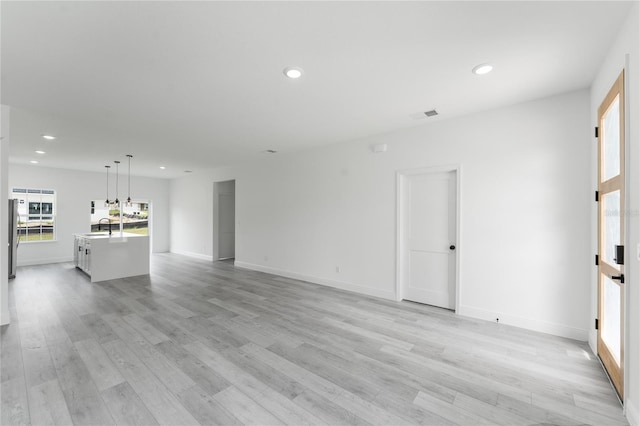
pixel 611 223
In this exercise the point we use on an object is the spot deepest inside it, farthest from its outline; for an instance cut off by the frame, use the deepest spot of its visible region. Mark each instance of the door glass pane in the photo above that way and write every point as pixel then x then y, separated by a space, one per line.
pixel 611 317
pixel 611 141
pixel 611 226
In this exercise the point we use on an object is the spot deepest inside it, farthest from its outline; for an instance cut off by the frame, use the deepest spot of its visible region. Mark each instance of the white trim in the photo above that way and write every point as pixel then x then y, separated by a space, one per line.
pixel 318 280
pixel 399 235
pixel 215 212
pixel 192 254
pixel 526 323
pixel 626 378
pixel 5 146
pixel 593 340
pixel 215 229
pixel 631 413
pixel 46 260
pixel 5 318
pixel 150 224
pixel 401 177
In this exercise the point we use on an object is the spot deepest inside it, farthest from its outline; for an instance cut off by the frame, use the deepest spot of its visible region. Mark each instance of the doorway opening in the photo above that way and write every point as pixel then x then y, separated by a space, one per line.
pixel 224 221
pixel 427 229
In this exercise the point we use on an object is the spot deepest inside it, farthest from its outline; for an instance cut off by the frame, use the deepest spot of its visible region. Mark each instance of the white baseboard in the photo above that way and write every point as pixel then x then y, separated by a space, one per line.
pixel 30 262
pixel 192 254
pixel 317 280
pixel 632 414
pixel 528 323
pixel 593 341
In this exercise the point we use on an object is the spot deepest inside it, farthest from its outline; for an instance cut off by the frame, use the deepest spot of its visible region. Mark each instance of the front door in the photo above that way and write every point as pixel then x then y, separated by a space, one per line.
pixel 430 238
pixel 611 226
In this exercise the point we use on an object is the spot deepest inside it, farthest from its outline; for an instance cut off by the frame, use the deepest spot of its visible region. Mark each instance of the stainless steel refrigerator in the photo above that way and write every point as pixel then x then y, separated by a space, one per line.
pixel 14 240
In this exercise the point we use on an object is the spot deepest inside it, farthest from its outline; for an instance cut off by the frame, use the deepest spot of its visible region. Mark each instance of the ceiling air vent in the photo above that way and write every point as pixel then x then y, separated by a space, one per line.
pixel 431 113
pixel 269 151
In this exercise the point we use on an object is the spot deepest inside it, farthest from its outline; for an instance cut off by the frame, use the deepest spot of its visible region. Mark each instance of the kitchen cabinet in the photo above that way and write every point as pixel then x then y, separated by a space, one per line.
pixel 108 257
pixel 82 254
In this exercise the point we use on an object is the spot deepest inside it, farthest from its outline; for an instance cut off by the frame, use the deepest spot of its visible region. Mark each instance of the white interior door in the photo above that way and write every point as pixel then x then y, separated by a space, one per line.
pixel 227 226
pixel 430 238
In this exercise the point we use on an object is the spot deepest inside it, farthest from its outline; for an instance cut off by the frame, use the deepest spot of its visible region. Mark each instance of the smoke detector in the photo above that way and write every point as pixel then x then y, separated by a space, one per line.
pixel 431 113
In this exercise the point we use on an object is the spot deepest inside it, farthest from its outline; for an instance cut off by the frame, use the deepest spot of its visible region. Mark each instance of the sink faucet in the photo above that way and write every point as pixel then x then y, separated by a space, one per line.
pixel 108 220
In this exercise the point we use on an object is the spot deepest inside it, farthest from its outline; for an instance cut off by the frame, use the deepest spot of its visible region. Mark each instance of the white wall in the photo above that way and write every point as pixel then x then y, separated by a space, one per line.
pixel 74 192
pixel 624 53
pixel 192 220
pixel 524 243
pixel 4 216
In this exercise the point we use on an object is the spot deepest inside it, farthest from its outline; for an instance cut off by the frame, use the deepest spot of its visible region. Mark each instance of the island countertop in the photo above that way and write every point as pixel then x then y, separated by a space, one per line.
pixel 97 235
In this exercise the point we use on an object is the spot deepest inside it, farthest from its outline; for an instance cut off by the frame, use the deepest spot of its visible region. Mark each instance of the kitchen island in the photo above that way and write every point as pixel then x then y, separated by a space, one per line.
pixel 108 257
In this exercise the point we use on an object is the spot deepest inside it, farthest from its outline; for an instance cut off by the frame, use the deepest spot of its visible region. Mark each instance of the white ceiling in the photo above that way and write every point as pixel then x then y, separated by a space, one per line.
pixel 195 85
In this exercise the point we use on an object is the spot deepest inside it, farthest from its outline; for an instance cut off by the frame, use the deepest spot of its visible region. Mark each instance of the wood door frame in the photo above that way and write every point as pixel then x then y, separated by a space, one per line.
pixel 615 183
pixel 402 177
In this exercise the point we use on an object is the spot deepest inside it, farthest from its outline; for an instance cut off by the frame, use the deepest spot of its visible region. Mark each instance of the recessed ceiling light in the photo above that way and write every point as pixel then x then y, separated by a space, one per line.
pixel 293 72
pixel 482 69
pixel 33 162
pixel 48 137
pixel 40 152
pixel 188 171
pixel 162 167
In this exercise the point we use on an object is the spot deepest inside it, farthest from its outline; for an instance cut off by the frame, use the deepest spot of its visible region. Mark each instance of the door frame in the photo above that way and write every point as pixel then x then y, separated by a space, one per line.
pixel 402 177
pixel 216 218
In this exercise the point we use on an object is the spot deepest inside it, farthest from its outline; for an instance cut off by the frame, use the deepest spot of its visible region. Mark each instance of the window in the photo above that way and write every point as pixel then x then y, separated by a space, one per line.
pixel 36 210
pixel 134 218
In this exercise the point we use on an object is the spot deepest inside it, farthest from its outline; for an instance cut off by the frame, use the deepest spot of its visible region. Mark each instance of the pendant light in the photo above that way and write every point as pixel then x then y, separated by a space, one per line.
pixel 129 156
pixel 117 202
pixel 106 202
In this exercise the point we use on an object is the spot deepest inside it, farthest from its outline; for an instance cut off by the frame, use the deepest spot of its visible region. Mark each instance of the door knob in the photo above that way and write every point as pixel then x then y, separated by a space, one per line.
pixel 618 278
pixel 452 247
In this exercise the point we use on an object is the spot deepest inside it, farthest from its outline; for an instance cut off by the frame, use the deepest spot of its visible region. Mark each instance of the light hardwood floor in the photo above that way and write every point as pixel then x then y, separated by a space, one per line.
pixel 204 343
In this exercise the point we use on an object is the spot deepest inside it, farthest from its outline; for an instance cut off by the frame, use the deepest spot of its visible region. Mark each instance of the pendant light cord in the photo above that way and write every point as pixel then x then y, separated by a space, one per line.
pixel 129 156
pixel 107 167
pixel 117 178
